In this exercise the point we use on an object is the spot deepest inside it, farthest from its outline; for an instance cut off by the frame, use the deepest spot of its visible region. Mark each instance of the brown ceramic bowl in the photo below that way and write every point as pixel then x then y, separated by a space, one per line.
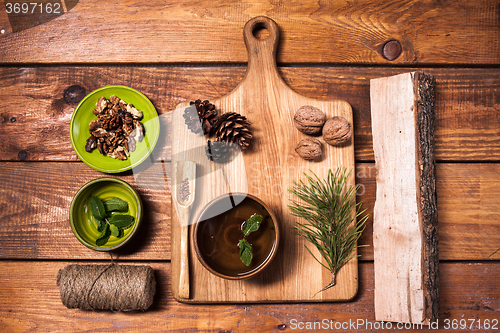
pixel 217 232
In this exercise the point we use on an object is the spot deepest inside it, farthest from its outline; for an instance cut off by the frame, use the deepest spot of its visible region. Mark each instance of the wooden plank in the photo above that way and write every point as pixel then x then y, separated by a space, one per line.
pixel 199 31
pixel 468 207
pixel 468 291
pixel 35 117
pixel 405 213
pixel 269 105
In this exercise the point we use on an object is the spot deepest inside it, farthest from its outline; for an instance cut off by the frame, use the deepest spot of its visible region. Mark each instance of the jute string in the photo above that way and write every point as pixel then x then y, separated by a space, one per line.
pixel 107 287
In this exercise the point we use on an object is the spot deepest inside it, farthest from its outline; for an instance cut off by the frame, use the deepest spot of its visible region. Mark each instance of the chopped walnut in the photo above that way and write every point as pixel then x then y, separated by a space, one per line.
pixel 101 105
pixel 118 153
pixel 138 132
pixel 131 144
pixel 91 144
pixel 117 128
pixel 134 112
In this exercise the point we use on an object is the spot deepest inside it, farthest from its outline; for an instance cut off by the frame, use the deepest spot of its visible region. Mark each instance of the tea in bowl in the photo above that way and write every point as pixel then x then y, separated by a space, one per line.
pixel 236 236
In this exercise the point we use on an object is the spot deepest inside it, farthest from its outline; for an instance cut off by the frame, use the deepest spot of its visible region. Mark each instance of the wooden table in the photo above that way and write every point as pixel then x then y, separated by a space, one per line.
pixel 180 51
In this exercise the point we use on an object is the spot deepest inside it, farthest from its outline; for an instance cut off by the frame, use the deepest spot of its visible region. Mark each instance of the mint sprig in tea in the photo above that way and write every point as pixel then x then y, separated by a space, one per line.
pixel 236 236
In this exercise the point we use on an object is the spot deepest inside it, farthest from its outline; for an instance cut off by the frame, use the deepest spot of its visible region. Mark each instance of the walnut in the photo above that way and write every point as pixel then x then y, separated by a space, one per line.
pixel 122 104
pixel 128 119
pixel 100 133
pixel 309 119
pixel 101 105
pixel 137 114
pixel 91 144
pixel 138 132
pixel 93 125
pixel 114 100
pixel 310 149
pixel 337 131
pixel 117 128
pixel 118 153
pixel 114 110
pixel 100 147
pixel 131 144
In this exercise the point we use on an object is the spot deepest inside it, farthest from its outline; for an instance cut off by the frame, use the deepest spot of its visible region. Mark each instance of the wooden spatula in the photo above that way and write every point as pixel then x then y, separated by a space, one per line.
pixel 184 193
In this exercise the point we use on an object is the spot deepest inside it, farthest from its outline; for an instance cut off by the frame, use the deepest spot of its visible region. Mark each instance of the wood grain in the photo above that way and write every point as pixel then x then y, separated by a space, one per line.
pixel 269 105
pixel 183 192
pixel 35 116
pixel 35 214
pixel 405 216
pixel 180 51
pixel 37 305
pixel 201 31
pixel 36 198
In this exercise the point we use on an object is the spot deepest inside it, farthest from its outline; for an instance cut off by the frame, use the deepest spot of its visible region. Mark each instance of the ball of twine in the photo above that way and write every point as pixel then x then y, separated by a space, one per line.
pixel 107 287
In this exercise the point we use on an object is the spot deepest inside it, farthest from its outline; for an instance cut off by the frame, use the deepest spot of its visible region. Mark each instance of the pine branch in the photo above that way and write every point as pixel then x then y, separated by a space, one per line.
pixel 327 206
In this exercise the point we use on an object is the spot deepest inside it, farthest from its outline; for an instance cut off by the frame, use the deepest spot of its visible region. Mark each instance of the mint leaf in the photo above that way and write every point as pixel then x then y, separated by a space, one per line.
pixel 104 236
pixel 246 254
pixel 116 205
pixel 252 224
pixel 121 221
pixel 100 224
pixel 97 208
pixel 115 231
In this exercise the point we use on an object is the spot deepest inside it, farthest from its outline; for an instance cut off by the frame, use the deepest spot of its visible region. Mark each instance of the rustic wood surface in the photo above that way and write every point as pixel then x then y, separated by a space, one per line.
pixel 37 306
pixel 178 51
pixel 32 104
pixel 36 208
pixel 201 31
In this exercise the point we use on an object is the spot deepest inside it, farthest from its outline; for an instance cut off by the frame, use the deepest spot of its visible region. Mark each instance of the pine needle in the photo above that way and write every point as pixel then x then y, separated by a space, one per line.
pixel 493 253
pixel 327 206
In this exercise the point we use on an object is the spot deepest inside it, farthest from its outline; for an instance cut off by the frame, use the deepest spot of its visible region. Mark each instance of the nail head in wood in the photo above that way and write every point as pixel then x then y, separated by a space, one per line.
pixel 391 50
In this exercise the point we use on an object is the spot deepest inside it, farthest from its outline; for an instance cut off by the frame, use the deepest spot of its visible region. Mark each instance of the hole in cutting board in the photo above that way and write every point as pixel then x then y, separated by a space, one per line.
pixel 260 31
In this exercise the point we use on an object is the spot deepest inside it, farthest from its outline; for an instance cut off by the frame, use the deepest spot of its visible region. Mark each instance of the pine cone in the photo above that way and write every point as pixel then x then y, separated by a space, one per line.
pixel 207 116
pixel 233 127
pixel 218 151
pixel 192 120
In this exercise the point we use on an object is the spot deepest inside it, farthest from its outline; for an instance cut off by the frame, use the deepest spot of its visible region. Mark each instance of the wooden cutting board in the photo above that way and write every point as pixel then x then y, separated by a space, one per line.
pixel 267 170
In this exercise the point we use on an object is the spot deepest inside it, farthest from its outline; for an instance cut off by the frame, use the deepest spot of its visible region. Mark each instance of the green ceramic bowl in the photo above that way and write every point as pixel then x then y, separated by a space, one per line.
pixel 83 223
pixel 79 129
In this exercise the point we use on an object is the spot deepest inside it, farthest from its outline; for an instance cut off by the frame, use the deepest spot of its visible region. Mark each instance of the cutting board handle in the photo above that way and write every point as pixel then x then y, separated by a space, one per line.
pixel 261 51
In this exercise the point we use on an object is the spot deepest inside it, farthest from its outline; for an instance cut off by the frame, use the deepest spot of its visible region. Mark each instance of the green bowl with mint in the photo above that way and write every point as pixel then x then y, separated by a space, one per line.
pixel 105 214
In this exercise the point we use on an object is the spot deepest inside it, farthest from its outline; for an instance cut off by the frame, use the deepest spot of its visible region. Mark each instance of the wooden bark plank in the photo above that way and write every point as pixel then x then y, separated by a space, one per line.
pixel 405 213
pixel 35 214
pixel 201 31
pixel 37 305
pixel 35 117
pixel 36 198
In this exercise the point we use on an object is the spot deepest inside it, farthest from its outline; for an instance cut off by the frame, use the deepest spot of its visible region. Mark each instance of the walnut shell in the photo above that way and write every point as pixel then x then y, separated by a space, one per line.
pixel 310 149
pixel 337 131
pixel 309 119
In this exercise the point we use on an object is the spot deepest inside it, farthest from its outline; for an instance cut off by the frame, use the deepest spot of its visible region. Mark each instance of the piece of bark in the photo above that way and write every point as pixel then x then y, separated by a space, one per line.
pixel 405 220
